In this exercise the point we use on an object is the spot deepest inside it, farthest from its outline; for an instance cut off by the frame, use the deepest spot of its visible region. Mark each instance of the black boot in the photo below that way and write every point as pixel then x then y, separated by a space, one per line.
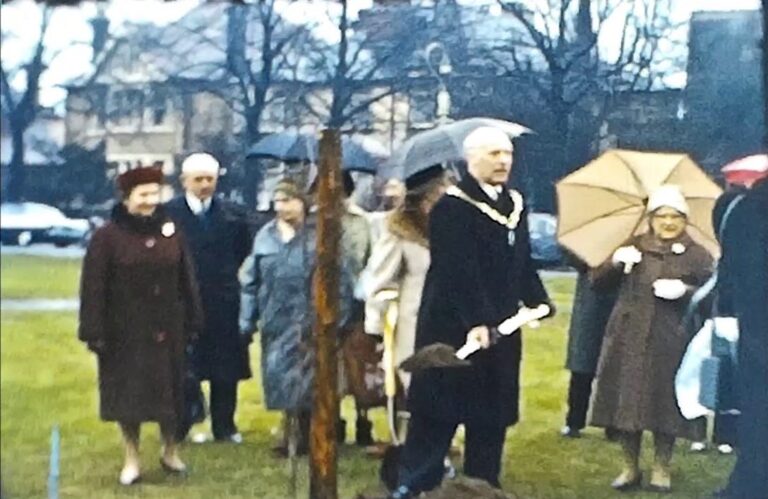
pixel 363 432
pixel 341 431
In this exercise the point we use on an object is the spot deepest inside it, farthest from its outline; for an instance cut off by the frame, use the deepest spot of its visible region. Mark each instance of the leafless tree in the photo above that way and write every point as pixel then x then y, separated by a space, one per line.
pixel 357 71
pixel 559 55
pixel 20 107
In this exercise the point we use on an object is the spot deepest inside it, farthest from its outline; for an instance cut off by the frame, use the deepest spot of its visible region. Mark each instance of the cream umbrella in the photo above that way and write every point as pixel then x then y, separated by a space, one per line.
pixel 602 205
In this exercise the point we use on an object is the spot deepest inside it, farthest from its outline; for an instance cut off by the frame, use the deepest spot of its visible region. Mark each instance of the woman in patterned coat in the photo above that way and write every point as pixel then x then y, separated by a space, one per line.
pixel 276 299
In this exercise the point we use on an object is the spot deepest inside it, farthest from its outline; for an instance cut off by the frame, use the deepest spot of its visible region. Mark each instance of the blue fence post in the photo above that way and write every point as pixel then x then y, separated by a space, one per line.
pixel 53 472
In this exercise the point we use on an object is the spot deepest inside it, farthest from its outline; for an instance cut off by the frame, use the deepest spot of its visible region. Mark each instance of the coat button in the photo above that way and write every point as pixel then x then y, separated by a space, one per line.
pixel 150 243
pixel 160 336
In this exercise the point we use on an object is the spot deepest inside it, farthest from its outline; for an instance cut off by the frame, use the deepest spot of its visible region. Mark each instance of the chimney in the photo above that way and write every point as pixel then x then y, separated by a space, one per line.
pixel 100 25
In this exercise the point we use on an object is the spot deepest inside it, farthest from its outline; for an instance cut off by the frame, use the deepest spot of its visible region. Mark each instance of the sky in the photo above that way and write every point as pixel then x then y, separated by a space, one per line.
pixel 69 33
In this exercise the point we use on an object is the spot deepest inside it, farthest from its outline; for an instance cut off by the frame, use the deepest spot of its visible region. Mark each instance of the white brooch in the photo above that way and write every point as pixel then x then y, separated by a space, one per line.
pixel 168 229
pixel 678 248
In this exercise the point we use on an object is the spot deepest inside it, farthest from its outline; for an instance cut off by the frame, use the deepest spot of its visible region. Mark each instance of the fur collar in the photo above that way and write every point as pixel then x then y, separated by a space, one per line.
pixel 648 242
pixel 411 226
pixel 142 225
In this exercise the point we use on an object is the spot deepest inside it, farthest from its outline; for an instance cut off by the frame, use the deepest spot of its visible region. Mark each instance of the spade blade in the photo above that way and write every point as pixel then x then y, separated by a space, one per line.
pixel 435 355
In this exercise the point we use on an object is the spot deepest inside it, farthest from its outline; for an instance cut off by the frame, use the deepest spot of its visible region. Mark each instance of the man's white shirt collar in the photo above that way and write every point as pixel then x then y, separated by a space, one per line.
pixel 492 191
pixel 196 205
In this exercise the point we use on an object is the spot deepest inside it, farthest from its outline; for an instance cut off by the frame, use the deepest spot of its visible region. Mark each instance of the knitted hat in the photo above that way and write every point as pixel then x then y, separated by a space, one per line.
pixel 138 176
pixel 290 189
pixel 668 195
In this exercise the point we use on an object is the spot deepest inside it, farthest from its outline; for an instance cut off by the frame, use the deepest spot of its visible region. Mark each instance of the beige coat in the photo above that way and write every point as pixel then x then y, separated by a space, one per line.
pixel 399 261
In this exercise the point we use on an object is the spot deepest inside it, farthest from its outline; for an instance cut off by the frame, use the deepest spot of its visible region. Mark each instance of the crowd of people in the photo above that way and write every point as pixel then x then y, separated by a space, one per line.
pixel 172 295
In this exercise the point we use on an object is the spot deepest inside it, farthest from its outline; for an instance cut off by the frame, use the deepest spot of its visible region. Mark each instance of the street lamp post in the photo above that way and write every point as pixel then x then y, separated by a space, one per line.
pixel 435 55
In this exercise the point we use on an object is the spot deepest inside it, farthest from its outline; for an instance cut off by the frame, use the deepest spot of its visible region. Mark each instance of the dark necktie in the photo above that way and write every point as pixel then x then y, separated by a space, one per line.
pixel 203 216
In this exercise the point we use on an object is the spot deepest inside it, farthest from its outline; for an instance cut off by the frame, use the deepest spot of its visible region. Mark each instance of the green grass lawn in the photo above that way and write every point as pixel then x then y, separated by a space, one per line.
pixel 49 378
pixel 25 276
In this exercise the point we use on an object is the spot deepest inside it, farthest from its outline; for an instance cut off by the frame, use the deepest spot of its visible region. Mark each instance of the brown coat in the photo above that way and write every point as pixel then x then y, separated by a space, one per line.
pixel 139 300
pixel 645 340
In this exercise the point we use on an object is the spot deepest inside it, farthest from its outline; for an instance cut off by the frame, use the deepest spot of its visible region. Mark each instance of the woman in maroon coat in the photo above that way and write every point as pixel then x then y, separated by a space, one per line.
pixel 139 307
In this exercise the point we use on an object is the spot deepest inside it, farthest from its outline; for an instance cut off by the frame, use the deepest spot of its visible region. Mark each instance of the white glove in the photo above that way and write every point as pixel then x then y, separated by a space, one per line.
pixel 627 256
pixel 669 289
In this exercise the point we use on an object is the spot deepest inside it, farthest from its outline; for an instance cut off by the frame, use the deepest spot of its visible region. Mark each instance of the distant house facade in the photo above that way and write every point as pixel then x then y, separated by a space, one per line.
pixel 151 108
pixel 723 96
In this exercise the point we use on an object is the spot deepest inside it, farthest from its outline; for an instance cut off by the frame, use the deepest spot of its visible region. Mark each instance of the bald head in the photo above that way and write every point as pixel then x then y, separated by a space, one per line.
pixel 488 152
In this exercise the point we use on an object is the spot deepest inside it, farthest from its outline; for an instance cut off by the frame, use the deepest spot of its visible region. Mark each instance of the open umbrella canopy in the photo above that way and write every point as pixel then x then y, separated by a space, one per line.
pixel 746 170
pixel 444 144
pixel 358 153
pixel 602 205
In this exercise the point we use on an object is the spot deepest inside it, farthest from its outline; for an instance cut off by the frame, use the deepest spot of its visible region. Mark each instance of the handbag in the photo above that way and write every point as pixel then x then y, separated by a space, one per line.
pixel 717 375
pixel 363 369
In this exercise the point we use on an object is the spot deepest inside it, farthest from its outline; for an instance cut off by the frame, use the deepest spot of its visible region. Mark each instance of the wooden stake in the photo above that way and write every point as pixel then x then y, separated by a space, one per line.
pixel 322 450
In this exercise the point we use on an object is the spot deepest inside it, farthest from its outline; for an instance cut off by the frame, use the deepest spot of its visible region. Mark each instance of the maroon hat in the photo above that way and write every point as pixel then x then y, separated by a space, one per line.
pixel 138 176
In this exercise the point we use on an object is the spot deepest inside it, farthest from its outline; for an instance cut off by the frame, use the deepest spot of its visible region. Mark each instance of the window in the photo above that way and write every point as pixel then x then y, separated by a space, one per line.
pixel 125 106
pixel 158 106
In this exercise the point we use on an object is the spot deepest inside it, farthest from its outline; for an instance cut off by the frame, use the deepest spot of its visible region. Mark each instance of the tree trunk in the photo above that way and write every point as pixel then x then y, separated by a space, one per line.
pixel 14 189
pixel 322 450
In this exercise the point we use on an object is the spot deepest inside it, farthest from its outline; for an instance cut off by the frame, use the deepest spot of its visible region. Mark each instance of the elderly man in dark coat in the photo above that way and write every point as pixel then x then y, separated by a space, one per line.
pixel 219 239
pixel 481 271
pixel 743 291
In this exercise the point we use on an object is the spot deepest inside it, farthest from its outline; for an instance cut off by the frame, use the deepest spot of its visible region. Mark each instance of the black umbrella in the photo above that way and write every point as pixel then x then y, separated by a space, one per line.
pixel 444 144
pixel 358 153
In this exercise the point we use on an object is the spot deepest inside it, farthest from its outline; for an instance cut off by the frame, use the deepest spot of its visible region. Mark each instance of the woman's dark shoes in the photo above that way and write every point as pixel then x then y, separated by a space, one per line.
pixel 627 481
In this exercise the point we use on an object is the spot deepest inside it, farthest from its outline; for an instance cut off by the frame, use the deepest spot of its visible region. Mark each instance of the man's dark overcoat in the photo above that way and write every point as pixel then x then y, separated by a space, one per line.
pixel 591 309
pixel 743 291
pixel 219 242
pixel 475 278
pixel 138 297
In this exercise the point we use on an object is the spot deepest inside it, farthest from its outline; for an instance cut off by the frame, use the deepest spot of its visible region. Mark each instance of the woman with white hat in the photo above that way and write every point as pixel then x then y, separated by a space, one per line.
pixel 645 339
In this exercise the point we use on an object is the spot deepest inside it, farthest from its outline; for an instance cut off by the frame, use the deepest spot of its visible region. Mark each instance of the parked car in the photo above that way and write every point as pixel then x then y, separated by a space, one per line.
pixel 544 247
pixel 26 223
